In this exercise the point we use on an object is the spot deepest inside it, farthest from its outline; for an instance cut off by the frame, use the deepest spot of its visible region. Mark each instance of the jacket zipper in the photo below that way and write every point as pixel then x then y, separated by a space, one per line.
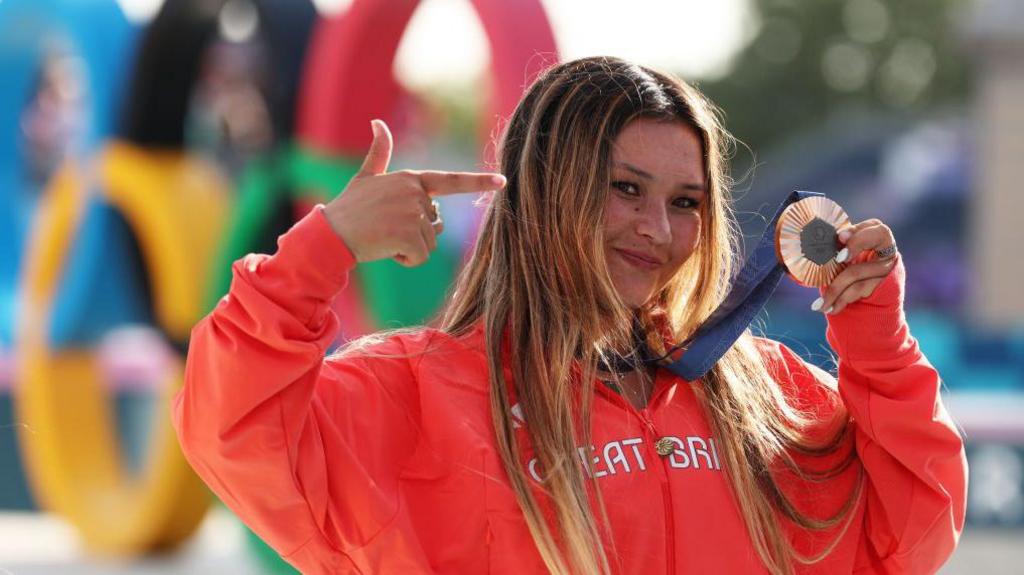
pixel 644 416
pixel 666 492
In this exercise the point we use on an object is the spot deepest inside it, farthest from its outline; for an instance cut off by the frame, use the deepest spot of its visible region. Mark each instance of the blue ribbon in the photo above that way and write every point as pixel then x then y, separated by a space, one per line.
pixel 750 291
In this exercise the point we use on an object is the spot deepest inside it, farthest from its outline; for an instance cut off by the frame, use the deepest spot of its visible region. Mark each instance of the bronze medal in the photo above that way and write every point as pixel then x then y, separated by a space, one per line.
pixel 806 240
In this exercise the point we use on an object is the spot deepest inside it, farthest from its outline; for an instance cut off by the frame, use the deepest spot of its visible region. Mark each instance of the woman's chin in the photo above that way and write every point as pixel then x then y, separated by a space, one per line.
pixel 635 300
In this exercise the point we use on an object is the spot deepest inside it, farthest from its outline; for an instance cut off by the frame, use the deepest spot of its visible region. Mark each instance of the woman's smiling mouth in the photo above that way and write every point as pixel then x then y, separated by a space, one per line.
pixel 640 260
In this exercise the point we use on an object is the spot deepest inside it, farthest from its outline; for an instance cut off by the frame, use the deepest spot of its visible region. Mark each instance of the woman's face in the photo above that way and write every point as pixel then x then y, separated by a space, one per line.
pixel 653 215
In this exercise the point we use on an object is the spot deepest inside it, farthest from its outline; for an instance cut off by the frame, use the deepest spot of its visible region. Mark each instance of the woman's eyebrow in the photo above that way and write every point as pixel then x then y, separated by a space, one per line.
pixel 648 176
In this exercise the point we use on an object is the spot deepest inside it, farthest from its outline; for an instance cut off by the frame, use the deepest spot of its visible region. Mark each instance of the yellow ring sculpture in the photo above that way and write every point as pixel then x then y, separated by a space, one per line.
pixel 175 205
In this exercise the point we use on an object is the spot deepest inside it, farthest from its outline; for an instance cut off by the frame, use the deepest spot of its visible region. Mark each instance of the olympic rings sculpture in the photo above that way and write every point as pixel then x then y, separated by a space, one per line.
pixel 144 194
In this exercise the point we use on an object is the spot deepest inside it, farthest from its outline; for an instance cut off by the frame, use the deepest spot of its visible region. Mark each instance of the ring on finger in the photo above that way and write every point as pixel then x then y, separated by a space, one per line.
pixel 435 215
pixel 886 252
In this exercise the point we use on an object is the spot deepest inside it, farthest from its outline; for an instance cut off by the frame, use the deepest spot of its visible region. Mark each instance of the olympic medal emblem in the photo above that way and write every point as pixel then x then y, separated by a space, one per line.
pixel 806 240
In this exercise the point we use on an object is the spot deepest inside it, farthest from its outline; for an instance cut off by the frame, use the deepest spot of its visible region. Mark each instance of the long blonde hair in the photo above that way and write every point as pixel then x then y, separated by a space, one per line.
pixel 538 281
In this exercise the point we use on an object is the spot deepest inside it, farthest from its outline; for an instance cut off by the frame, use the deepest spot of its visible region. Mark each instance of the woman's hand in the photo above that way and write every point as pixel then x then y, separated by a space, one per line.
pixel 381 215
pixel 866 269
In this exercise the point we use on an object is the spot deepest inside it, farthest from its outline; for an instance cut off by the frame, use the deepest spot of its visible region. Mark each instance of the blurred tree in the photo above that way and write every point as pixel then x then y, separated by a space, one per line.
pixel 810 60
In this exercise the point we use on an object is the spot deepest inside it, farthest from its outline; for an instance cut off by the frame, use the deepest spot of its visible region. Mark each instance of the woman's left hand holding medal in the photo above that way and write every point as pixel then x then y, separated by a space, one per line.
pixel 870 248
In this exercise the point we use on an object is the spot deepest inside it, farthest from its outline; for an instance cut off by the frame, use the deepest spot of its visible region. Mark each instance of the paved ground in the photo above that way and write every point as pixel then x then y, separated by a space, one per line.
pixel 988 551
pixel 34 544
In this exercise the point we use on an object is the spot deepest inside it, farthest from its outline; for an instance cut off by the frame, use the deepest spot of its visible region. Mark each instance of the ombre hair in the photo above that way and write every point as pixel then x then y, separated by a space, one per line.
pixel 538 282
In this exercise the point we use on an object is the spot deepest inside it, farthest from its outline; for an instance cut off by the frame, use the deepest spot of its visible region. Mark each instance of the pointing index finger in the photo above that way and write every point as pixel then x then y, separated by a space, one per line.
pixel 445 183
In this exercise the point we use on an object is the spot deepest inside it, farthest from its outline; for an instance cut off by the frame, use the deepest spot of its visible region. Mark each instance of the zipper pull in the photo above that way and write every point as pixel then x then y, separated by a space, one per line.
pixel 663 446
pixel 647 421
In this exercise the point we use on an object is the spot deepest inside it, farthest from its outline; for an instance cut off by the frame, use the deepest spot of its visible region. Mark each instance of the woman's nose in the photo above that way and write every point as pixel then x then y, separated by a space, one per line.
pixel 652 222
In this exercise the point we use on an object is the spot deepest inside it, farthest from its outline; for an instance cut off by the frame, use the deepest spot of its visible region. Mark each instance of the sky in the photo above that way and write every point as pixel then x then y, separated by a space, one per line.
pixel 695 38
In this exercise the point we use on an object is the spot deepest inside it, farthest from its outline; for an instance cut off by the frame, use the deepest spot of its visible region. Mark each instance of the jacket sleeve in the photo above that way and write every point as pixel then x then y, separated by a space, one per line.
pixel 908 445
pixel 306 451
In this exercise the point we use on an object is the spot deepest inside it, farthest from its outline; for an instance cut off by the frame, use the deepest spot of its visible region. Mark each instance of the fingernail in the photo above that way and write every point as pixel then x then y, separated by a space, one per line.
pixel 817 304
pixel 373 126
pixel 829 310
pixel 498 181
pixel 845 235
pixel 842 255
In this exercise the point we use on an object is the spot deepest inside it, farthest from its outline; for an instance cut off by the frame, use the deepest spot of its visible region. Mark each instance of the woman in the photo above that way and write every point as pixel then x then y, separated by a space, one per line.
pixel 525 433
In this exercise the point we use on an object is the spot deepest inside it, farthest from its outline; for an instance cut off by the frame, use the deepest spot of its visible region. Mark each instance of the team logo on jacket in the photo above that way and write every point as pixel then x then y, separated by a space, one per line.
pixel 627 455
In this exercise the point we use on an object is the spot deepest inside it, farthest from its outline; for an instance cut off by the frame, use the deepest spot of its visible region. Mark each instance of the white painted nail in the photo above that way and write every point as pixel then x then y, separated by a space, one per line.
pixel 817 304
pixel 830 308
pixel 842 255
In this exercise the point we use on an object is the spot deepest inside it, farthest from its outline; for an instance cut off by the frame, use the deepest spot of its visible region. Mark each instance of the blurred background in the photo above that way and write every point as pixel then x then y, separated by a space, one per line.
pixel 146 144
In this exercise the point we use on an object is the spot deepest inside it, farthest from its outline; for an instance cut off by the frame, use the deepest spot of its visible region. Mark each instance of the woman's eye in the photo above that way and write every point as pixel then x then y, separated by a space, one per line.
pixel 686 203
pixel 627 188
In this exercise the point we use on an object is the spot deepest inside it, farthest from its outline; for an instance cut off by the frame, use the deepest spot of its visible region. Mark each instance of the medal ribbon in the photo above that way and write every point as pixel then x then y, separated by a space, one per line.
pixel 753 285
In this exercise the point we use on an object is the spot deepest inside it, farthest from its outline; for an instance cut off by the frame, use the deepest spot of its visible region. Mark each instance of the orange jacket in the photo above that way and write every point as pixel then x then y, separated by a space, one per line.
pixel 387 464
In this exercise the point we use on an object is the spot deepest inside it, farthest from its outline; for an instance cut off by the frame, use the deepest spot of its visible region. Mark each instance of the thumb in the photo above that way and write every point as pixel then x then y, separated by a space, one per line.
pixel 379 155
